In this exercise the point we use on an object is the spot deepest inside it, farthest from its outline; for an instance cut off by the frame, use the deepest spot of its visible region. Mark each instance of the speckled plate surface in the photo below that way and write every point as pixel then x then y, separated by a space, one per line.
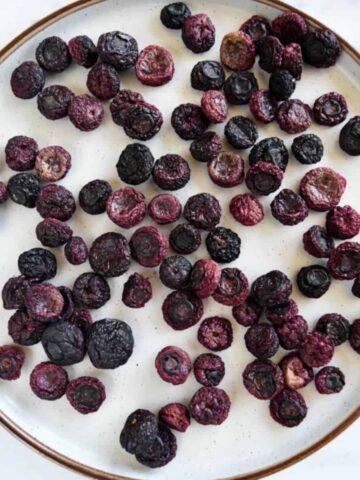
pixel 249 443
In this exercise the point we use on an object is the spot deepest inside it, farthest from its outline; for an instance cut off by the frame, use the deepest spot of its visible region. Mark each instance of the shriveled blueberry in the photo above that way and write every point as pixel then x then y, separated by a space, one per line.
pixel 293 116
pixel 20 153
pixel 343 222
pixel 205 277
pixel 185 238
pixel 69 307
pixel 86 394
pixel 257 28
pixel 53 102
pixel 313 281
pixel 209 369
pixel 207 75
pixel 282 84
pixel 288 408
pixel 135 164
pixel 215 333
pixel 13 292
pixel 233 287
pixel 173 15
pixel 289 208
pixel 154 66
pixel 11 362
pixel 103 81
pixel 318 242
pixel 262 341
pixel 188 121
pixel 289 27
pixel 82 318
pixel 85 112
pixel 322 188
pixel 293 332
pixel 246 209
pixel 237 51
pixel 64 343
pixel 174 272
pixel 91 290
pixel 55 201
pixel 52 163
pixel 175 416
pixel 334 326
pixel 142 121
pixel 149 246
pixel 48 381
pixel 223 245
pixel 354 337
pixel 24 189
pixel 239 86
pixel 296 373
pixel 349 139
pixel 76 251
pixel 329 380
pixel 171 172
pixel 83 51
pixel 355 289
pixel 182 309
pixel 164 208
pixel 270 150
pixel 307 148
pixel 126 207
pixel 320 48
pixel 207 147
pixel 271 52
pixel 344 261
pixel 198 33
pixel 38 264
pixel 52 54
pixel 121 103
pixel 263 105
pixel 139 430
pixel 317 350
pixel 282 313
pixel 210 406
pixel 203 211
pixel 118 49
pixel 214 106
pixel 293 60
pixel 109 255
pixel 330 109
pixel 227 169
pixel 137 291
pixel 24 330
pixel 93 196
pixel 263 379
pixel 271 289
pixel 263 178
pixel 241 132
pixel 161 451
pixel 173 365
pixel 247 313
pixel 27 80
pixel 44 302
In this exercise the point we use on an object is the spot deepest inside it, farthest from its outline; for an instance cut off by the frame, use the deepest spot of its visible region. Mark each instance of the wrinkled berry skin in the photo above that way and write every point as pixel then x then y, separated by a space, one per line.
pixel 27 80
pixel 207 75
pixel 354 337
pixel 227 169
pixel 263 105
pixel 24 330
pixel 93 196
pixel 207 147
pixel 161 451
pixel 11 362
pixel 175 416
pixel 185 239
pixel 173 15
pixel 355 290
pixel 103 81
pixel 109 343
pixel 334 326
pixel 271 52
pixel 188 121
pixel 289 27
pixel 214 106
pixel 283 313
pixel 322 188
pixel 307 149
pixel 110 255
pixel 241 132
pixel 263 379
pixel 55 201
pixel 142 121
pixel 135 164
pixel 85 112
pixel 203 211
pixel 246 209
pixel 289 208
pixel 209 369
pixel 52 54
pixel 257 28
pixel 292 60
pixel 205 277
pixel 121 103
pixel 317 242
pixel 223 245
pixel 262 341
pixel 320 48
pixel 233 287
pixel 154 66
pixel 52 163
pixel 164 208
pixel 248 313
pixel 344 261
pixel 270 150
pixel 24 189
pixel 20 153
pixel 53 102
pixel 126 207
pixel 330 109
pixel 86 394
pixel 343 222
pixel 296 373
pixel 288 408
pixel 76 251
pixel 174 272
pixel 91 291
pixel 118 49
pixel 329 380
pixel 349 139
pixel 63 343
pixel 264 178
pixel 171 172
pixel 271 289
pixel 317 350
pixel 239 86
pixel 198 33
pixel 3 192
pixel 173 365
pixel 140 430
pixel 182 310
pixel 237 51
pixel 67 311
pixel 149 246
pixel 282 84
pixel 83 51
pixel 293 116
pixel 137 291
pixel 13 292
pixel 313 281
pixel 44 302
pixel 38 264
pixel 293 332
pixel 48 381
pixel 210 406
pixel 215 333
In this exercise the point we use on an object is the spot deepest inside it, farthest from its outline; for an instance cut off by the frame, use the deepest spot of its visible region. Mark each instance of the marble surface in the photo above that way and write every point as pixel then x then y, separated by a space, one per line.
pixel 341 456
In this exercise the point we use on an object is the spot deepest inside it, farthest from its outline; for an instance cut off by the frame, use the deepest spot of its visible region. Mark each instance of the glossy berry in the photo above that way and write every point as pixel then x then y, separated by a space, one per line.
pixel 263 379
pixel 239 86
pixel 288 408
pixel 313 281
pixel 173 15
pixel 207 75
pixel 334 326
pixel 241 132
pixel 263 105
pixel 270 150
pixel 257 28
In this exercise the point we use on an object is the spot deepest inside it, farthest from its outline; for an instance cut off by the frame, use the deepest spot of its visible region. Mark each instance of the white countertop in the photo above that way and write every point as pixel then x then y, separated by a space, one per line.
pixel 341 457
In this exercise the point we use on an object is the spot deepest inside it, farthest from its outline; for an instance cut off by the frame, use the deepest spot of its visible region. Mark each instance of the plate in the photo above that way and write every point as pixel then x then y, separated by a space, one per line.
pixel 249 444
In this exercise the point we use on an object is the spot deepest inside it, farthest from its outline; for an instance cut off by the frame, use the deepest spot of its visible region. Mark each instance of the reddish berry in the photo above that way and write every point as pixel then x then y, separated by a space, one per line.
pixel 237 51
pixel 137 291
pixel 20 153
pixel 154 66
pixel 182 309
pixel 289 27
pixel 293 116
pixel 233 287
pixel 76 251
pixel 344 261
pixel 289 208
pixel 330 109
pixel 83 51
pixel 11 362
pixel 205 277
pixel 246 209
pixel 86 112
pixel 293 60
pixel 164 208
pixel 86 394
pixel 149 246
pixel 227 169
pixel 52 163
pixel 329 380
pixel 322 188
pixel 317 350
pixel 49 381
pixel 214 106
pixel 263 379
pixel 210 406
pixel 103 81
pixel 215 333
pixel 288 408
pixel 176 416
pixel 296 373
pixel 173 365
pixel 263 105
pixel 248 313
pixel 343 222
pixel 126 207
pixel 209 369
pixel 198 33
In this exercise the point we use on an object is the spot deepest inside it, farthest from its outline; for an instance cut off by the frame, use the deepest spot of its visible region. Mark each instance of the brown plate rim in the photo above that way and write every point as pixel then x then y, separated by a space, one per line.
pixel 65 461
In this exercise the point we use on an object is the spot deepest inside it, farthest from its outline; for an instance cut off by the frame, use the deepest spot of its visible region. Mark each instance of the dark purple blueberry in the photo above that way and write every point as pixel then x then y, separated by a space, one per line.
pixel 27 80
pixel 203 211
pixel 344 261
pixel 90 290
pixel 198 33
pixel 233 287
pixel 93 196
pixel 20 153
pixel 161 451
pixel 207 147
pixel 215 333
pixel 137 291
pixel 293 116
pixel 209 369
pixel 214 106
pixel 135 164
pixel 86 394
pixel 142 121
pixel 307 148
pixel 149 246
pixel 103 81
pixel 52 54
pixel 289 27
pixel 237 51
pixel 281 84
pixel 188 121
pixel 24 188
pixel 85 112
pixel 246 209
pixel 64 343
pixel 68 309
pixel 109 343
pixel 126 207
pixel 24 330
pixel 185 239
pixel 210 406
pixel 270 150
pixel 173 365
pixel 182 310
pixel 329 380
pixel 293 60
pixel 13 292
pixel 293 332
pixel 355 290
pixel 164 208
pixel 207 75
pixel 76 251
pixel 239 86
pixel 317 350
pixel 264 178
pixel 262 341
pixel 83 51
pixel 289 208
pixel 349 139
pixel 38 264
pixel 317 242
pixel 82 318
pixel 53 102
pixel 175 416
pixel 44 302
pixel 121 103
pixel 296 373
pixel 263 105
pixel 223 245
pixel 154 66
pixel 139 430
pixel 334 326
pixel 343 222
pixel 257 28
pixel 171 172
pixel 109 255
pixel 320 48
pixel 313 281
pixel 3 192
pixel 52 163
pixel 288 408
pixel 322 188
pixel 354 336
pixel 118 49
pixel 272 289
pixel 55 201
pixel 330 109
pixel 174 272
pixel 227 169
pixel 282 313
pixel 247 313
pixel 173 15
pixel 263 379
pixel 11 362
pixel 48 381
pixel 205 277
pixel 241 132
pixel 271 52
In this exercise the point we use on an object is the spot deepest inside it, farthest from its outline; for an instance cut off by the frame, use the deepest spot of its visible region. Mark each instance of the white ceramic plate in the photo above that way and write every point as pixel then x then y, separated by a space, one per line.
pixel 249 440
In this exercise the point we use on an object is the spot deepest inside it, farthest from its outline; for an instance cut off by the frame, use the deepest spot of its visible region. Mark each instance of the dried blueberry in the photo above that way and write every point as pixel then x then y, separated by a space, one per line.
pixel 320 48
pixel 207 75
pixel 3 192
pixel 161 451
pixel 317 350
pixel 205 277
pixel 334 326
pixel 24 188
pixel 173 365
pixel 198 33
pixel 63 343
pixel 68 308
pixel 289 27
pixel 241 132
pixel 27 80
pixel 53 102
pixel 354 336
pixel 248 313
pixel 93 196
pixel 52 163
pixel 11 362
pixel 118 49
pixel 188 121
pixel 142 121
pixel 135 164
pixel 270 150
pixel 293 116
pixel 103 81
pixel 38 264
pixel 263 105
pixel 175 416
pixel 49 381
pixel 76 251
pixel 20 153
pixel 137 291
pixel 292 60
pixel 329 380
pixel 52 54
pixel 313 281
pixel 207 147
pixel 109 255
pixel 126 207
pixel 154 66
pixel 209 369
pixel 13 292
pixel 91 290
pixel 322 188
pixel 210 406
pixel 25 330
pixel 82 318
pixel 344 261
pixel 233 287
pixel 164 208
pixel 182 309
pixel 281 84
pixel 343 222
pixel 86 394
pixel 149 246
pixel 44 302
pixel 307 148
pixel 83 51
pixel 214 106
pixel 355 289
pixel 246 209
pixel 227 169
pixel 257 28
pixel 263 178
pixel 349 139
pixel 270 53
pixel 317 242
pixel 289 208
pixel 140 429
pixel 174 272
pixel 296 373
pixel 121 103
pixel 215 333
pixel 262 341
pixel 203 211
pixel 263 379
pixel 293 332
pixel 288 408
pixel 223 245
pixel 185 239
pixel 239 86
pixel 173 15
pixel 237 51
pixel 85 112
pixel 55 201
pixel 282 313
pixel 330 109
pixel 171 172
pixel 271 289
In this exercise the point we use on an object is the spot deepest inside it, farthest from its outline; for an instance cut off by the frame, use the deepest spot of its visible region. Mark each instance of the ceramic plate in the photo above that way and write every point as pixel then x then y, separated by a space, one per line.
pixel 249 441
